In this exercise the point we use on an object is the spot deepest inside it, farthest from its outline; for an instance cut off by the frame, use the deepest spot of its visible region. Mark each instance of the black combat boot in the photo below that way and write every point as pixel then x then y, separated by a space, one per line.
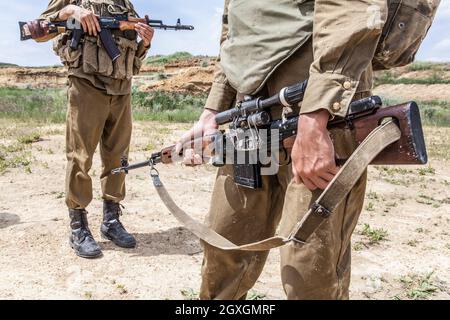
pixel 112 229
pixel 81 239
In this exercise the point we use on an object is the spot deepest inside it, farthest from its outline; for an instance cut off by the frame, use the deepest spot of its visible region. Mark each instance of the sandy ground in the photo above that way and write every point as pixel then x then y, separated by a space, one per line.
pixel 420 92
pixel 412 205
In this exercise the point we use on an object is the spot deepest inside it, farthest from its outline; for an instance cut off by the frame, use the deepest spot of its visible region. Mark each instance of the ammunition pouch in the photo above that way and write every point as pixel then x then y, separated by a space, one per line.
pixel 91 55
pixel 69 58
pixel 124 65
pixel 94 59
pixel 406 27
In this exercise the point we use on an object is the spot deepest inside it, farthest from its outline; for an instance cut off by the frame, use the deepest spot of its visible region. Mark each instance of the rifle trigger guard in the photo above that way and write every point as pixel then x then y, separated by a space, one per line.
pixel 349 122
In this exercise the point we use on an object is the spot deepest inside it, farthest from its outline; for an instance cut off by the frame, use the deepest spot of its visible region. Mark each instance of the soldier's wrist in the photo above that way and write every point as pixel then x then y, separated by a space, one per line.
pixel 67 12
pixel 320 118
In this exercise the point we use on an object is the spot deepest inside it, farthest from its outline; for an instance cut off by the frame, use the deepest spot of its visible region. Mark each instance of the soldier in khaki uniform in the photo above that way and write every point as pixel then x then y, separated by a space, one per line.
pixel 99 111
pixel 267 45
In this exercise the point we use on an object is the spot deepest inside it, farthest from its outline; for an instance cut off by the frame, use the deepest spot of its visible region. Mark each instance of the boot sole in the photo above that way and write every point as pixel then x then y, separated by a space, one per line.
pixel 83 255
pixel 121 245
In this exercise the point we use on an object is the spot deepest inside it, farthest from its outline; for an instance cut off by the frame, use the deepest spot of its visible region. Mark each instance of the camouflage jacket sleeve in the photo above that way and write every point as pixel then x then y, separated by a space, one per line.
pixel 53 9
pixel 222 94
pixel 345 37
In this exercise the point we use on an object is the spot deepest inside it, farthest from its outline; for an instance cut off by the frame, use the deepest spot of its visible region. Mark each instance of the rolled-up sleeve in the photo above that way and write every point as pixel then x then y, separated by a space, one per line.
pixel 52 12
pixel 345 37
pixel 222 94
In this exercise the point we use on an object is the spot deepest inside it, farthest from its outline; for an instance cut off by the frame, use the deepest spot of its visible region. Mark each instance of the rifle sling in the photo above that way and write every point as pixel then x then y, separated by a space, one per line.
pixel 336 192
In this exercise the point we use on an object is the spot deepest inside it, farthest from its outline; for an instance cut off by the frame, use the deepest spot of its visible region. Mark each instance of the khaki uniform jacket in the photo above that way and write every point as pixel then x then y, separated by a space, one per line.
pixel 344 39
pixel 112 86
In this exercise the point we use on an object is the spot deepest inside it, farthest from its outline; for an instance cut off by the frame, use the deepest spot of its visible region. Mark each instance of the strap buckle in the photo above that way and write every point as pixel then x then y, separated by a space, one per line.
pixel 320 211
pixel 154 174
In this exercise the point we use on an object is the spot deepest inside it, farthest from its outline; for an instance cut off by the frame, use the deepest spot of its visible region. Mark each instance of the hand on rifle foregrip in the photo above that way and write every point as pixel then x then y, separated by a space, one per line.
pixel 194 153
pixel 145 32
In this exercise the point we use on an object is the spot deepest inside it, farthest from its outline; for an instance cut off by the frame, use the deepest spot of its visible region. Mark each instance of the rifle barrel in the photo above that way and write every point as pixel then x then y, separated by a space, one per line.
pixel 125 169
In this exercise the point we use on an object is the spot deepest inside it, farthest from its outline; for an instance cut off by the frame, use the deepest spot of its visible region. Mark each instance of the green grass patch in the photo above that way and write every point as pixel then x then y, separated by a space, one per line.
pixel 425 66
pixel 433 112
pixel 419 287
pixel 14 160
pixel 30 138
pixel 426 170
pixel 388 77
pixel 255 295
pixel 164 106
pixel 49 106
pixel 163 59
pixel 190 294
pixel 374 235
pixel 7 65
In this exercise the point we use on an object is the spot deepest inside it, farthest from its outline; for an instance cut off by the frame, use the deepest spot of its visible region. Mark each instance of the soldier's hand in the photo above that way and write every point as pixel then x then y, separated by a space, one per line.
pixel 145 32
pixel 39 29
pixel 205 126
pixel 88 19
pixel 313 156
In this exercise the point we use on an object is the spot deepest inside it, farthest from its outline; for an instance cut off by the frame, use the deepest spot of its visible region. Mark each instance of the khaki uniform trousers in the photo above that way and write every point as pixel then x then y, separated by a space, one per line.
pixel 318 270
pixel 95 117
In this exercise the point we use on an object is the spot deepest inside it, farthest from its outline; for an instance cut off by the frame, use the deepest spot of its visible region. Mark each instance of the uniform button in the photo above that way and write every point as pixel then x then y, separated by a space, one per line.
pixel 347 85
pixel 336 107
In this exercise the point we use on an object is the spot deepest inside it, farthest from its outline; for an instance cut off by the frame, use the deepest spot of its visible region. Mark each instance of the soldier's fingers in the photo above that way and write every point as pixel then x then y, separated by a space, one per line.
pixel 296 176
pixel 144 32
pixel 198 159
pixel 184 138
pixel 309 184
pixel 327 176
pixel 93 27
pixel 334 170
pixel 189 157
pixel 88 26
pixel 319 182
pixel 84 26
pixel 97 23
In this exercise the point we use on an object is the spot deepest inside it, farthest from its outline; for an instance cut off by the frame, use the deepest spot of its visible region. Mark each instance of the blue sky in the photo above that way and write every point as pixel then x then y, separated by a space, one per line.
pixel 204 14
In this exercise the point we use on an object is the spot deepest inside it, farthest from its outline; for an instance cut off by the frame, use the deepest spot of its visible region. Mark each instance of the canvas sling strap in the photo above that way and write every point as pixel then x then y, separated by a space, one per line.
pixel 339 188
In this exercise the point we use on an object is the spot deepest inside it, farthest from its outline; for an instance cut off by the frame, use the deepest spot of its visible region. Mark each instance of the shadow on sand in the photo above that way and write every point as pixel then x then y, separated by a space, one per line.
pixel 8 219
pixel 175 241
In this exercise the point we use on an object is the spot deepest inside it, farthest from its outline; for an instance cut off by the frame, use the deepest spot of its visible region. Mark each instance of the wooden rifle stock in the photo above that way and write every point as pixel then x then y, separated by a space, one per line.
pixel 409 150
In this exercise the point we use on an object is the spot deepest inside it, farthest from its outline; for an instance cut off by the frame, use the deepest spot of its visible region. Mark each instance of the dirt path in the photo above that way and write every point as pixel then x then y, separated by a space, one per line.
pixel 421 92
pixel 412 205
